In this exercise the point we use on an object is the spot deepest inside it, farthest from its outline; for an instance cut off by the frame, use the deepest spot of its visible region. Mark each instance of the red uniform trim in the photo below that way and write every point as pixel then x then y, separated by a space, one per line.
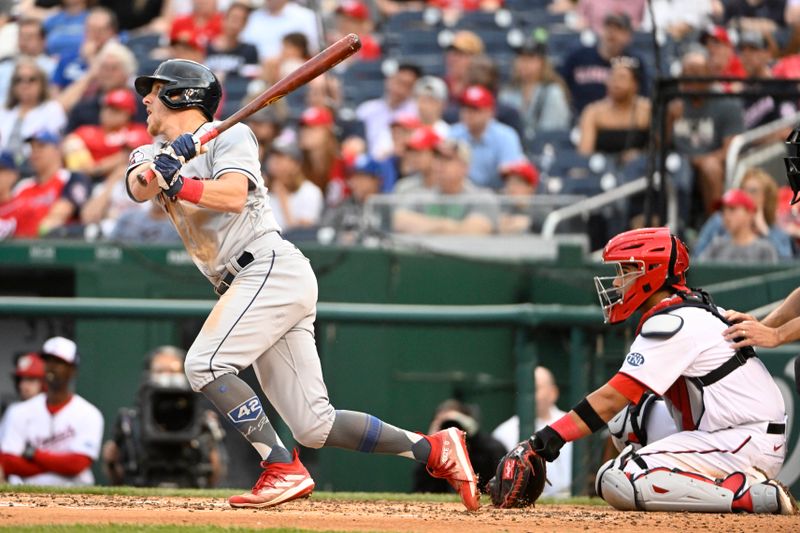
pixel 66 464
pixel 19 466
pixel 628 386
pixel 678 394
pixel 567 428
pixel 53 408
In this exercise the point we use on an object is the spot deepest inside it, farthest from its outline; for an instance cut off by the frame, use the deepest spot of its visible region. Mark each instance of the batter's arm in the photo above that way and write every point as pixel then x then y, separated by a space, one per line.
pixel 227 193
pixel 137 191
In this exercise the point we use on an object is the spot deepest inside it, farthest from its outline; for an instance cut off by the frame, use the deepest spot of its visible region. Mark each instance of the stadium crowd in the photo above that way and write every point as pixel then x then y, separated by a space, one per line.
pixel 460 111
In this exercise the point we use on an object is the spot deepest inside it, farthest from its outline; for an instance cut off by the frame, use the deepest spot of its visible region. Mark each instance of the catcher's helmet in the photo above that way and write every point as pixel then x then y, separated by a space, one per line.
pixel 659 259
pixel 186 84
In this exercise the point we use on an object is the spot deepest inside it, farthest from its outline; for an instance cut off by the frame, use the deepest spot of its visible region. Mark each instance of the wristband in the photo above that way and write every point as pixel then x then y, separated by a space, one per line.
pixel 586 412
pixel 191 191
pixel 567 428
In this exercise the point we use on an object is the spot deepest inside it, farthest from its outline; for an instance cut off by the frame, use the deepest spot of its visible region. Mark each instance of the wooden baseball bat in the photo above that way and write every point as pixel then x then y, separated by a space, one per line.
pixel 319 64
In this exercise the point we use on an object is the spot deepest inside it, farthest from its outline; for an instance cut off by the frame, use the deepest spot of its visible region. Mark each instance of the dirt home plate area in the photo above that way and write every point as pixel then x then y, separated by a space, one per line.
pixel 322 514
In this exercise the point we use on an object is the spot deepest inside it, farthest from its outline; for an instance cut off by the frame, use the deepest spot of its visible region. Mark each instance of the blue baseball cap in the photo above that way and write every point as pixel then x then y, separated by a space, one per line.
pixel 7 161
pixel 366 165
pixel 45 136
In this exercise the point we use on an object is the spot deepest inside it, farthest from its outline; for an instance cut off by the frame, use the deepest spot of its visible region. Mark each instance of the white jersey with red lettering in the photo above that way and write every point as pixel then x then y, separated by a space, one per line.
pixel 75 428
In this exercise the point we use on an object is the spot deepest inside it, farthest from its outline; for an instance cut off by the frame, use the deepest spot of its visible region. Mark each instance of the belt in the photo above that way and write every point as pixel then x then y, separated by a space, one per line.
pixel 776 429
pixel 242 261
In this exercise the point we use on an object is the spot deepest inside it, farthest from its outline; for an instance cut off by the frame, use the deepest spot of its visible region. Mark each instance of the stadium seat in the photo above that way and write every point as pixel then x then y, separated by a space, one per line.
pixel 521 6
pixel 476 21
pixel 558 139
pixel 142 45
pixel 532 18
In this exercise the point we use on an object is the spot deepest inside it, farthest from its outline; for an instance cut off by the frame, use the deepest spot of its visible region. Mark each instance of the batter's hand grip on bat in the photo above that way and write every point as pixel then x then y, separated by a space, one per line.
pixel 317 65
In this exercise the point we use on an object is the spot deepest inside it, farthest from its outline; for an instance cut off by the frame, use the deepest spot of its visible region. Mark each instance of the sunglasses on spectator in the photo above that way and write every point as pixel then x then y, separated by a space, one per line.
pixel 26 79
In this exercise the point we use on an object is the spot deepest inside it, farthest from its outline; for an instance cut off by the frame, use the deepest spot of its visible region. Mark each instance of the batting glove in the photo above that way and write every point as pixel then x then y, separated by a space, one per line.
pixel 185 147
pixel 167 170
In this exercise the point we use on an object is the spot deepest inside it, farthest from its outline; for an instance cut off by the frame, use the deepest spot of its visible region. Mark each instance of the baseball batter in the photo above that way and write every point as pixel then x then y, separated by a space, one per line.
pixel 216 198
pixel 730 439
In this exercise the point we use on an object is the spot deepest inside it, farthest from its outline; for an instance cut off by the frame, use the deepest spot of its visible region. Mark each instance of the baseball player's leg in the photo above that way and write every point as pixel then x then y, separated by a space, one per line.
pixel 698 471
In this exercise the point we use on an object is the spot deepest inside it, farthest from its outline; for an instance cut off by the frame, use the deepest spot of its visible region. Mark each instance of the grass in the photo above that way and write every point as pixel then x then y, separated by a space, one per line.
pixel 121 528
pixel 224 493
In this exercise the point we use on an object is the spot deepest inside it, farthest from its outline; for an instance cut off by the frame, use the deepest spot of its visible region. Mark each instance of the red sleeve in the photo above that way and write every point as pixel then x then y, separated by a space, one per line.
pixel 18 466
pixel 66 464
pixel 629 387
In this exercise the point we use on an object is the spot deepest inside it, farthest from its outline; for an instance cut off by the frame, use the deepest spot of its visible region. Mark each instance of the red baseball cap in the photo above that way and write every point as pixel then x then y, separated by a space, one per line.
pixel 317 116
pixel 523 169
pixel 738 198
pixel 409 121
pixel 121 99
pixel 718 33
pixel 478 97
pixel 353 8
pixel 29 365
pixel 423 138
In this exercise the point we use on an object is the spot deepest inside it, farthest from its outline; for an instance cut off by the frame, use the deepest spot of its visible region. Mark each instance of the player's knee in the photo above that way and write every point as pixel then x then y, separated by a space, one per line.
pixel 615 487
pixel 312 432
pixel 197 372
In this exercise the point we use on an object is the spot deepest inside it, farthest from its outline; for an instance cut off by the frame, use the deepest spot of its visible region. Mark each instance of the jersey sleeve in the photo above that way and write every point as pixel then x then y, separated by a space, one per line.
pixel 89 441
pixel 236 150
pixel 658 363
pixel 143 154
pixel 13 441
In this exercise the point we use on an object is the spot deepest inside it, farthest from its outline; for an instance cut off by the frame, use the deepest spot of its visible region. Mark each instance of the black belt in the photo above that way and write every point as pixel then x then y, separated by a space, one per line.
pixel 243 260
pixel 776 429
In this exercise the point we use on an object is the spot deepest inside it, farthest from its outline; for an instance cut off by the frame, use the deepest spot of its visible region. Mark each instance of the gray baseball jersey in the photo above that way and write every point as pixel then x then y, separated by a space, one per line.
pixel 212 237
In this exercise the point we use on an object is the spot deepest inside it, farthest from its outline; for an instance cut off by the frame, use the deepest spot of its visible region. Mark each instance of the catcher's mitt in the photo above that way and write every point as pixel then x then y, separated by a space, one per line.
pixel 520 478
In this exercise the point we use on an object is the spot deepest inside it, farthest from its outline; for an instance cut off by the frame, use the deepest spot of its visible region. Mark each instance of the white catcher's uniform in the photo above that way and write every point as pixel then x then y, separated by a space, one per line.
pixel 725 425
pixel 75 428
pixel 266 317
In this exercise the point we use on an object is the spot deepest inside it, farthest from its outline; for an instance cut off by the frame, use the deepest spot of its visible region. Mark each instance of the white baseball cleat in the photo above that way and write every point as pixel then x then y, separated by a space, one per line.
pixel 278 483
pixel 449 460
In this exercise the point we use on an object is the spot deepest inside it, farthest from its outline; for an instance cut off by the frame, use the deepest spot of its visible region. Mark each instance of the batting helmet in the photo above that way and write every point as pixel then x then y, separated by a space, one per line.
pixel 647 260
pixel 793 164
pixel 29 365
pixel 186 84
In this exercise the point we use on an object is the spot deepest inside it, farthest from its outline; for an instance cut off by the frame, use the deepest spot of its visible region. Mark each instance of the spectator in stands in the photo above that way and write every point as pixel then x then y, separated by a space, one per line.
pixel 388 8
pixel 9 175
pixel 587 69
pixel 28 376
pixel 226 55
pixel 267 26
pixel 491 143
pixel 141 17
pixel 30 44
pixel 458 207
pixel 101 150
pixel 401 128
pixel 187 46
pixel 702 129
pixel 521 179
pixel 296 202
pixel 101 27
pixel 483 71
pixel 770 106
pixel 28 108
pixel 484 450
pixel 431 96
pixel 592 13
pixel 760 16
pixel 763 190
pixel 64 29
pixel 294 52
pixel 722 58
pixel 348 218
pixel 559 472
pixel 204 23
pixel 352 16
pixel 418 160
pixel 742 244
pixel 681 18
pixel 322 160
pixel 53 438
pixel 464 46
pixel 148 225
pixel 106 205
pixel 618 124
pixel 537 91
pixel 377 114
pixel 266 125
pixel 111 69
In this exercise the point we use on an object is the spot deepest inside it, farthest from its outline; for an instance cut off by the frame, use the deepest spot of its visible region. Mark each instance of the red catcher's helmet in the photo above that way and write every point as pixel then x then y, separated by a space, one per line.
pixel 647 259
pixel 29 365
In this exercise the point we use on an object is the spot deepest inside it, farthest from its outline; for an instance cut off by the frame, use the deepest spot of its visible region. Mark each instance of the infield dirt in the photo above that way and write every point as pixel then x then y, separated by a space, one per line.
pixel 322 514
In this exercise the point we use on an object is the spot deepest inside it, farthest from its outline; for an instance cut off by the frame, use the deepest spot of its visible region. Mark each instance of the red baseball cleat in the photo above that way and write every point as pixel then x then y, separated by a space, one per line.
pixel 449 460
pixel 278 483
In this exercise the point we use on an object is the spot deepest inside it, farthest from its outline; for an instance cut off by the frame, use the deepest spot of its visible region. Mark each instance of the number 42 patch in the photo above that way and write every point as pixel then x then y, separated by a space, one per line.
pixel 247 411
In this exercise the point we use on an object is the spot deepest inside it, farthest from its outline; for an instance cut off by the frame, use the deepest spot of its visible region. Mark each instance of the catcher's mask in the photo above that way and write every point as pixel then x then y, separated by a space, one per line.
pixel 646 260
pixel 793 164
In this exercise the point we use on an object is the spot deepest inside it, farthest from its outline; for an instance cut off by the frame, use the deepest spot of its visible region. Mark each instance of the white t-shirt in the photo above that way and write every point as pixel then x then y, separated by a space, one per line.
pixel 75 428
pixel 559 472
pixel 47 116
pixel 746 395
pixel 265 30
pixel 377 117
pixel 306 203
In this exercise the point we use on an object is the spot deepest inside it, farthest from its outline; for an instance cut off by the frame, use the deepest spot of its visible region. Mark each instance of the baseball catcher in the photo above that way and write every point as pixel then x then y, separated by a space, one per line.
pixel 729 440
